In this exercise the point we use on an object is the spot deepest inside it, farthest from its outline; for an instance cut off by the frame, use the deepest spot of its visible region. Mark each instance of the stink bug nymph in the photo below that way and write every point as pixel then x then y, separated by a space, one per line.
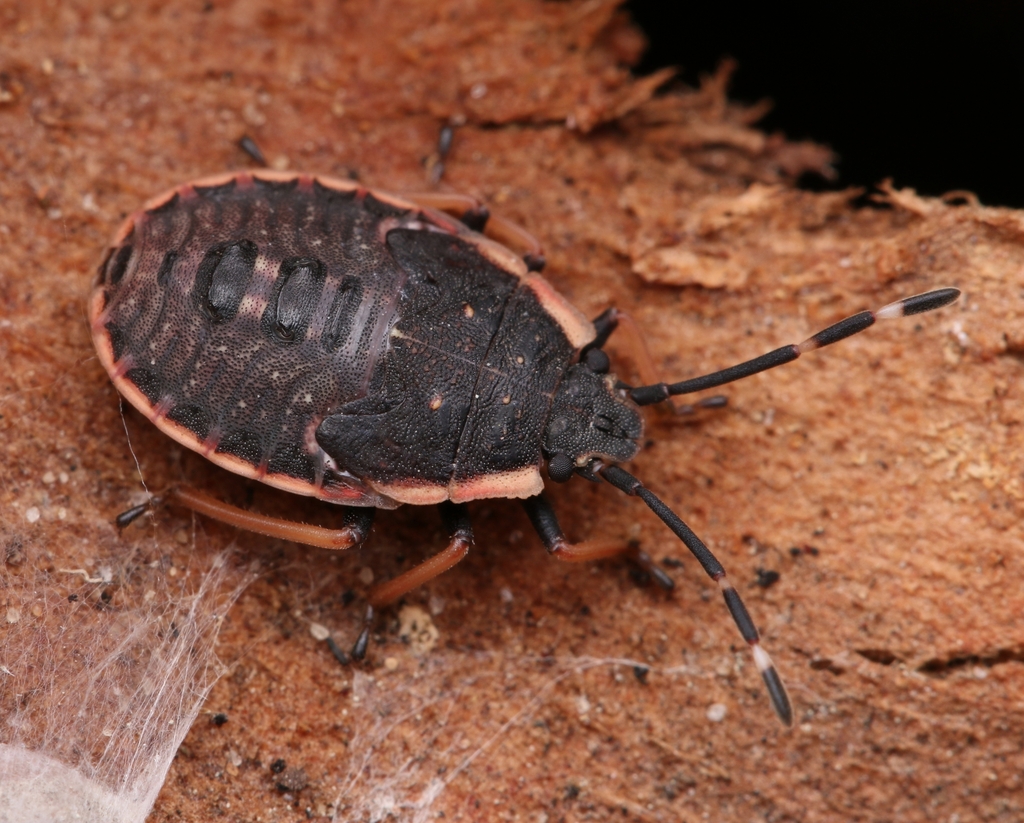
pixel 373 350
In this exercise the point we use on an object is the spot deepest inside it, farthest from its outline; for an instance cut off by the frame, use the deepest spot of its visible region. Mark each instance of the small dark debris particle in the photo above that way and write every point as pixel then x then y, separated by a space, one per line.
pixel 278 766
pixel 585 611
pixel 219 719
pixel 766 578
pixel 106 596
pixel 572 791
pixel 640 673
pixel 796 551
pixel 294 779
pixel 672 562
pixel 72 598
pixel 347 597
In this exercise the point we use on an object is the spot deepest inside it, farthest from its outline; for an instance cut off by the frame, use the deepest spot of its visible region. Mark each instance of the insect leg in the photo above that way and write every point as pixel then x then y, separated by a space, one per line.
pixel 629 332
pixel 357 520
pixel 477 216
pixel 435 163
pixel 456 521
pixel 467 209
pixel 544 520
pixel 612 320
pixel 252 148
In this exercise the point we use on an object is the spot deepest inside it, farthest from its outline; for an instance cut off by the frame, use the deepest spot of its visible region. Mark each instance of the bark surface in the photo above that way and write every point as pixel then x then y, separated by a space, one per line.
pixel 881 478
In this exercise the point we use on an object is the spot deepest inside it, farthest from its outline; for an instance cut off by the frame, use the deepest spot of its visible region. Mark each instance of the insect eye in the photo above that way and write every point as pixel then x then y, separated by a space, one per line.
pixel 560 468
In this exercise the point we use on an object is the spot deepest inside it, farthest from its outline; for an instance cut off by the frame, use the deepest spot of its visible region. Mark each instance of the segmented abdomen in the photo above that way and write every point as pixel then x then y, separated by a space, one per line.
pixel 244 312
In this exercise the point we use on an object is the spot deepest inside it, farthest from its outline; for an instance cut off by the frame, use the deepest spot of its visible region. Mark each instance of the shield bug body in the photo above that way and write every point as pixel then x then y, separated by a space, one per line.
pixel 373 350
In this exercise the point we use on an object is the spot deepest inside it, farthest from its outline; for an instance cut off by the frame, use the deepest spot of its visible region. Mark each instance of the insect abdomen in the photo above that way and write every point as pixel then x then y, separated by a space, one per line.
pixel 246 312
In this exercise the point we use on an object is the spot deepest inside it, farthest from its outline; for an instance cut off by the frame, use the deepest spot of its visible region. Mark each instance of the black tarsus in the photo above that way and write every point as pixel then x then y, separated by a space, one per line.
pixel 252 148
pixel 644 562
pixel 716 401
pixel 363 641
pixel 126 518
pixel 535 262
pixel 445 140
pixel 338 652
pixel 545 523
pixel 444 146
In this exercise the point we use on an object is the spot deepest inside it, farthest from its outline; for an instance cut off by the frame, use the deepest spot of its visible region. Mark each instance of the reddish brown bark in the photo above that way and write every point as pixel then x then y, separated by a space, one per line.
pixel 896 455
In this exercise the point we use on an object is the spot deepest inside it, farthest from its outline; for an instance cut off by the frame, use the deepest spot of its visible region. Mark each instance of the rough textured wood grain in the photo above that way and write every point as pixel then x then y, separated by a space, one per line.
pixel 896 455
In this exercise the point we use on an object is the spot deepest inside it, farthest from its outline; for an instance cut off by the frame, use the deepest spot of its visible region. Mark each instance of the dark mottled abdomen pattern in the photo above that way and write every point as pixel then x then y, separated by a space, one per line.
pixel 245 315
pixel 329 336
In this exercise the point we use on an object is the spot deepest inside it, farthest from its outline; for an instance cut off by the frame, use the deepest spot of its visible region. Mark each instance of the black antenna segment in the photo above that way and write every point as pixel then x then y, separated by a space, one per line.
pixel 659 392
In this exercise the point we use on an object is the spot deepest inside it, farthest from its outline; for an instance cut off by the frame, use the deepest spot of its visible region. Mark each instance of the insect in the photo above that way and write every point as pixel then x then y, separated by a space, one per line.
pixel 372 350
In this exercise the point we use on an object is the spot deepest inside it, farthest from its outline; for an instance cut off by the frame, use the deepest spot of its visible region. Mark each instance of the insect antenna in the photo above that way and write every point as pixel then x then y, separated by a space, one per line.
pixel 919 303
pixel 625 482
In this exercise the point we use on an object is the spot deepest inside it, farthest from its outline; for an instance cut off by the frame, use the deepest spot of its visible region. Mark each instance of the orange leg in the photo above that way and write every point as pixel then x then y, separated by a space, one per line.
pixel 636 348
pixel 543 518
pixel 354 531
pixel 456 521
pixel 477 216
pixel 461 531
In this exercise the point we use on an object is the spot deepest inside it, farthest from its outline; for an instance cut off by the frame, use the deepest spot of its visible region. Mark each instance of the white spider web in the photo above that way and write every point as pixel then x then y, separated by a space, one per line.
pixel 102 671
